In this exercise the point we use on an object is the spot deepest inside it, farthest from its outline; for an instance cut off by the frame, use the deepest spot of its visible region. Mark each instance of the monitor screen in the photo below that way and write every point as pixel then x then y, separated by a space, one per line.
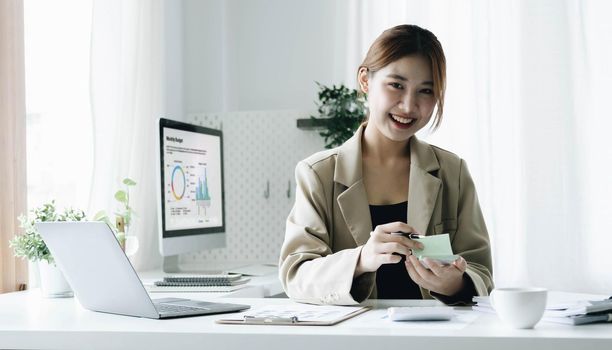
pixel 192 192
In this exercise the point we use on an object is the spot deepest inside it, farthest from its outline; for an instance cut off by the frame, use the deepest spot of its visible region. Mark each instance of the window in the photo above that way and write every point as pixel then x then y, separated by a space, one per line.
pixel 59 131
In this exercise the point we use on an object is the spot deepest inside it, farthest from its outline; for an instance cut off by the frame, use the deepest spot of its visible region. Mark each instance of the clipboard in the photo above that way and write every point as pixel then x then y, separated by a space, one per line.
pixel 296 315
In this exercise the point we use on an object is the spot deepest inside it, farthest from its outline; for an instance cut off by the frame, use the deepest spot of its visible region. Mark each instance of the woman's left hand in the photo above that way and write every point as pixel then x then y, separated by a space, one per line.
pixel 442 279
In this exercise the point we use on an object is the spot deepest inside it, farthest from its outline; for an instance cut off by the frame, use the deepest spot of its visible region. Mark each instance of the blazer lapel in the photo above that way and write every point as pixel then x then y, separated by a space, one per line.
pixel 353 202
pixel 354 207
pixel 423 187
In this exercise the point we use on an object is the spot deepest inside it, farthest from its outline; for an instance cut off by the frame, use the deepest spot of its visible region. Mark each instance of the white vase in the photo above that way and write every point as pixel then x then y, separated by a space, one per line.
pixel 53 284
pixel 131 245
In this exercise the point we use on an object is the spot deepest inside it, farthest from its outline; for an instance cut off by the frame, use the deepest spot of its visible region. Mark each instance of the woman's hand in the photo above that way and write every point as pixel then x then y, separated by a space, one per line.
pixel 442 279
pixel 382 244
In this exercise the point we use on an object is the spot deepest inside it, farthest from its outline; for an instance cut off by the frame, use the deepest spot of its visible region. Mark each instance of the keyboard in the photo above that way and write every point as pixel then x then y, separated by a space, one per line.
pixel 171 308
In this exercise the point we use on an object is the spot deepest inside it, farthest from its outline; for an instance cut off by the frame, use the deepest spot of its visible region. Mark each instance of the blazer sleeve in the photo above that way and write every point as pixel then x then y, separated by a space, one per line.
pixel 472 239
pixel 308 269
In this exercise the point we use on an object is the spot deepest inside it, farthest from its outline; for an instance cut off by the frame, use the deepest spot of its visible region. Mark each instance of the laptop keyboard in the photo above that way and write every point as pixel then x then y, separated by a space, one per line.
pixel 171 308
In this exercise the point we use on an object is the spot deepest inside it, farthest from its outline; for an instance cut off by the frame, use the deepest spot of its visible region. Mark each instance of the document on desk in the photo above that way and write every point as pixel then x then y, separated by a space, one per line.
pixel 296 314
pixel 575 312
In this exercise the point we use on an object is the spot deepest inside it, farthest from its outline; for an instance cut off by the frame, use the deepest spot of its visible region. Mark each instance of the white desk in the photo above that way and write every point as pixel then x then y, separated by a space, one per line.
pixel 29 321
pixel 258 287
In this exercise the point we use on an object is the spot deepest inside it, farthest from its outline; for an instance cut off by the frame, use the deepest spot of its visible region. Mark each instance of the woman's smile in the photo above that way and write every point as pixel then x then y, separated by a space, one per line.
pixel 402 122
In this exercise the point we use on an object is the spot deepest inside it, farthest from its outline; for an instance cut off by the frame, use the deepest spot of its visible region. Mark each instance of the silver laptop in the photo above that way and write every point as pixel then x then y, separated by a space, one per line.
pixel 103 279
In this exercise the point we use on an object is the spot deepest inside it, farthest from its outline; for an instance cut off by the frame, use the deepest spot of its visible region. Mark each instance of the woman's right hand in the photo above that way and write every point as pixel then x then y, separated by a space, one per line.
pixel 382 244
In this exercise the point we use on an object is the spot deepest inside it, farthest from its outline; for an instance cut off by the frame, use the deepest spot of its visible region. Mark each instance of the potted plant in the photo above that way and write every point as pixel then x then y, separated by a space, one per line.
pixel 123 218
pixel 341 110
pixel 30 245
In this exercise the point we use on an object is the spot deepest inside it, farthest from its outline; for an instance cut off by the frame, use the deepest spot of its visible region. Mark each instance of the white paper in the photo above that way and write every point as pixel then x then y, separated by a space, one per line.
pixel 303 312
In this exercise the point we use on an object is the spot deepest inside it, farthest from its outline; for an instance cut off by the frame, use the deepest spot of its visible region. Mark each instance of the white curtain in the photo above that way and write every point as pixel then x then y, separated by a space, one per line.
pixel 126 97
pixel 527 107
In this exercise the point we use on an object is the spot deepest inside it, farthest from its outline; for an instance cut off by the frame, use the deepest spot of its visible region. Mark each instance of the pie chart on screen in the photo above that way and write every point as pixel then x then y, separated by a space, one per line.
pixel 178 182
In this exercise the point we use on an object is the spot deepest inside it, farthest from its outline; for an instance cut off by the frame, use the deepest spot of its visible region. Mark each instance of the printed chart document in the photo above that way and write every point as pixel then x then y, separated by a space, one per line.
pixel 296 314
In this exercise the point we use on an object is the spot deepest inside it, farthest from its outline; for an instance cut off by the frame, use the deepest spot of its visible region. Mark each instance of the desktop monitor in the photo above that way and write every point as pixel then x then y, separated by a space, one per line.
pixel 191 192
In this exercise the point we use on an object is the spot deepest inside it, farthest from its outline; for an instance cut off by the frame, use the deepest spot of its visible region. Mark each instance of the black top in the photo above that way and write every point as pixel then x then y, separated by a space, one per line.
pixel 392 280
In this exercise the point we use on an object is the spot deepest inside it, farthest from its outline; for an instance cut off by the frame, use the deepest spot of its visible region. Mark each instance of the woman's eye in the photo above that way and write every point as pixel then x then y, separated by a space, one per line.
pixel 427 91
pixel 396 85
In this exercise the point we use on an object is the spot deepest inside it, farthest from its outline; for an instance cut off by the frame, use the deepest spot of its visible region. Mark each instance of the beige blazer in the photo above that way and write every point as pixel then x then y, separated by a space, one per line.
pixel 330 221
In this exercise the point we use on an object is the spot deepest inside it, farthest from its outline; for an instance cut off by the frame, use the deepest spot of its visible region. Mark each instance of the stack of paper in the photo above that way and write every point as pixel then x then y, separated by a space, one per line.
pixel 197 283
pixel 574 313
pixel 580 312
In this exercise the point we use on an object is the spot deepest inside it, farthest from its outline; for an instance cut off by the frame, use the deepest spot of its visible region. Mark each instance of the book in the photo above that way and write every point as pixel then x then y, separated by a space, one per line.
pixel 202 280
pixel 296 314
pixel 580 319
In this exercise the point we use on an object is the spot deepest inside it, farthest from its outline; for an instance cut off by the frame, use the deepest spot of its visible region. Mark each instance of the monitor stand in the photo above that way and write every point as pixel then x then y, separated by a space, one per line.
pixel 170 264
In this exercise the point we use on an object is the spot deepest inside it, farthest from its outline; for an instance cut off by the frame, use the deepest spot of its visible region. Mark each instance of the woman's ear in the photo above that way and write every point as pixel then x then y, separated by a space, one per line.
pixel 363 79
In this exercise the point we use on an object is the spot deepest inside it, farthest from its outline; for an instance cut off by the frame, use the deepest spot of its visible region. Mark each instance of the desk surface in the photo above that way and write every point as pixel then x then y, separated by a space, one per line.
pixel 29 321
pixel 258 286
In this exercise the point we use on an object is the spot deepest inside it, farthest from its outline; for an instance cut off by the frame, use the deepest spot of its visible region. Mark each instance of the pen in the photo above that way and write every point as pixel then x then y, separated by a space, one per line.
pixel 410 235
pixel 270 320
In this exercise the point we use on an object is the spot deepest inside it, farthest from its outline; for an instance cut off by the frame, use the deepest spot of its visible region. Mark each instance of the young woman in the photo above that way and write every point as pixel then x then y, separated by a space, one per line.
pixel 339 247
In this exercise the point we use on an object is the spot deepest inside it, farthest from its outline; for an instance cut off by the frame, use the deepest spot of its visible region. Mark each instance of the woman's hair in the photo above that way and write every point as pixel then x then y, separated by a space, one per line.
pixel 408 40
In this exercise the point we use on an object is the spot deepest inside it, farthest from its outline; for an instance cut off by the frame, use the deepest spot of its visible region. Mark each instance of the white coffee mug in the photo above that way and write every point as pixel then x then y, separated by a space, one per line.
pixel 519 307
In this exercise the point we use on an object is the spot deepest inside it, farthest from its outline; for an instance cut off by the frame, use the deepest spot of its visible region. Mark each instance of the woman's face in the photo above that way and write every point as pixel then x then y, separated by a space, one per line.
pixel 400 97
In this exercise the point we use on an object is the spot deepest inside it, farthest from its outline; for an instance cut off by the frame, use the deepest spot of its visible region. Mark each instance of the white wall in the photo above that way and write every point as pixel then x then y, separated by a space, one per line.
pixel 173 59
pixel 263 57
pixel 238 55
pixel 255 164
pixel 205 46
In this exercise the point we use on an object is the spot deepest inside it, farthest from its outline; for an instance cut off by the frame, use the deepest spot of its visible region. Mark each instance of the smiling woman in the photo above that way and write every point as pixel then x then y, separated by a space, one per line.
pixel 341 245
pixel 527 107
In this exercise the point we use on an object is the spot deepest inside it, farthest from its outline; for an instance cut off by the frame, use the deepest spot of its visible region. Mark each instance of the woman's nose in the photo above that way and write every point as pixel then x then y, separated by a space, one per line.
pixel 408 102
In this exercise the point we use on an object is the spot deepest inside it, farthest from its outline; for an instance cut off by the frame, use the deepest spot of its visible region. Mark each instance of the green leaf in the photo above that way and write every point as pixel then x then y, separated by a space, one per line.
pixel 127 217
pixel 100 216
pixel 129 182
pixel 121 196
pixel 71 214
pixel 30 244
pixel 343 110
